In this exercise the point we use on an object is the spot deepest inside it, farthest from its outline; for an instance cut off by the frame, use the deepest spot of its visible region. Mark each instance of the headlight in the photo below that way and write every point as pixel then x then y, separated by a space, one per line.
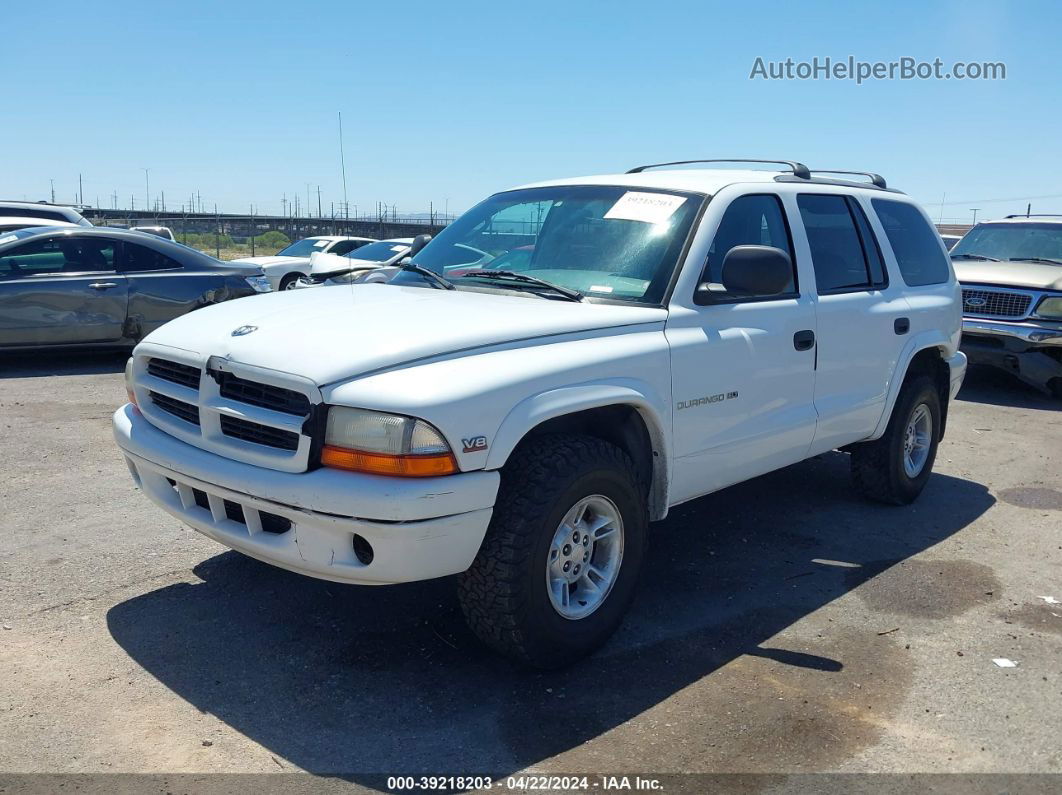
pixel 129 381
pixel 384 444
pixel 1050 308
pixel 259 283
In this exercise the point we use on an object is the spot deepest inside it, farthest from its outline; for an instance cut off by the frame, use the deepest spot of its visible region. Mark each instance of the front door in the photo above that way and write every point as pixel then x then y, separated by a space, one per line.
pixel 61 291
pixel 742 370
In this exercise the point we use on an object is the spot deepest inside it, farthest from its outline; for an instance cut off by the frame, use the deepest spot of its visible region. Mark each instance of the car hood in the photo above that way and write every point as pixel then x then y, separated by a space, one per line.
pixel 342 332
pixel 1027 275
pixel 265 262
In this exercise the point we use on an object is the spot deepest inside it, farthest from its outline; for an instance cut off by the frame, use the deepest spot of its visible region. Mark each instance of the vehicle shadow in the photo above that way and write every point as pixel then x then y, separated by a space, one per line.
pixel 38 364
pixel 364 682
pixel 994 387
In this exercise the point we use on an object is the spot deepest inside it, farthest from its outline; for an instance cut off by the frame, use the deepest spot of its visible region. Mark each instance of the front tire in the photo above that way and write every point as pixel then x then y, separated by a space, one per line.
pixel 288 282
pixel 558 566
pixel 894 469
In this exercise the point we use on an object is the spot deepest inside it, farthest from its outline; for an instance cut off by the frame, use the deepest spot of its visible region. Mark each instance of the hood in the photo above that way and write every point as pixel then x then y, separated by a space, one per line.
pixel 264 262
pixel 1027 275
pixel 341 332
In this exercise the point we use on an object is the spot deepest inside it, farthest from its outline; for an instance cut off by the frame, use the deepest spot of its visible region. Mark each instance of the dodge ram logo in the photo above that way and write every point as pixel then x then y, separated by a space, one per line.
pixel 975 302
pixel 243 331
pixel 477 444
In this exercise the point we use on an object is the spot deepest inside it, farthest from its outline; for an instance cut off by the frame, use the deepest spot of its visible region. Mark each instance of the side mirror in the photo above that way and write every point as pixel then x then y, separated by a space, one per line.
pixel 419 242
pixel 749 271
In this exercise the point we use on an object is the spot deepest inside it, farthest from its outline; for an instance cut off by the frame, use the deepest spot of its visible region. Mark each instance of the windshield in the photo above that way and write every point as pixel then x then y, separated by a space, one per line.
pixel 304 247
pixel 378 252
pixel 603 241
pixel 1012 241
pixel 10 236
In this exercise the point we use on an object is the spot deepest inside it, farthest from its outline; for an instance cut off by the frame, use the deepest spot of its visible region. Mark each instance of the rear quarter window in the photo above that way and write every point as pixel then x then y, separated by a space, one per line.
pixel 914 242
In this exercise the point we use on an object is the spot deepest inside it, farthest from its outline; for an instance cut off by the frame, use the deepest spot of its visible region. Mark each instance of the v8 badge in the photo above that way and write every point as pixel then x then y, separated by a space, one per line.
pixel 477 444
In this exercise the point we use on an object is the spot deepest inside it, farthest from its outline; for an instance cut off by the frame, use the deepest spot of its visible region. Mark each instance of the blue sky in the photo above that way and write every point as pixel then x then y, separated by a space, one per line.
pixel 448 102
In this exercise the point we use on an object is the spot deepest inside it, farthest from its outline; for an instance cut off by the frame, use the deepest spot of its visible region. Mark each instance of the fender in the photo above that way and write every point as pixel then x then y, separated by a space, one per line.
pixel 933 338
pixel 534 410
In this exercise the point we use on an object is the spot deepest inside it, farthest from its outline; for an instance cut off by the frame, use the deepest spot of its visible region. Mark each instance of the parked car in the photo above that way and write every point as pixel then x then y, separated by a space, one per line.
pixel 522 428
pixel 161 231
pixel 43 212
pixel 13 222
pixel 286 266
pixel 373 262
pixel 1011 275
pixel 950 241
pixel 78 286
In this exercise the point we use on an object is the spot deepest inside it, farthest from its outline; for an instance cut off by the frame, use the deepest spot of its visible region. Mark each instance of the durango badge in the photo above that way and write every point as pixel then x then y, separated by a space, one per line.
pixel 243 331
pixel 477 444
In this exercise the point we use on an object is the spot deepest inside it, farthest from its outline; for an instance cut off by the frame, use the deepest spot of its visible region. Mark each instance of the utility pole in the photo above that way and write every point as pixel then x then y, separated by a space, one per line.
pixel 974 211
pixel 318 201
pixel 80 191
pixel 343 167
pixel 164 201
pixel 52 181
pixel 147 189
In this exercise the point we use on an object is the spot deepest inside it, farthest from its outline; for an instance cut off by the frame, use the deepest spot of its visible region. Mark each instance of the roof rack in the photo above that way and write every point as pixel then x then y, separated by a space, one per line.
pixel 799 169
pixel 1035 215
pixel 876 180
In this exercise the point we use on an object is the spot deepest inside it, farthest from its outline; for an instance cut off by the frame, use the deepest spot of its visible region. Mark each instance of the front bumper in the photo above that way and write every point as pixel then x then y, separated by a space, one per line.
pixel 420 527
pixel 1032 352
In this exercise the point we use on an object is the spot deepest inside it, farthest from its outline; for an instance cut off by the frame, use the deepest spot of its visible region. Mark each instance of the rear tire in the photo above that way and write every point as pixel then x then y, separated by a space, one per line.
pixel 894 469
pixel 516 596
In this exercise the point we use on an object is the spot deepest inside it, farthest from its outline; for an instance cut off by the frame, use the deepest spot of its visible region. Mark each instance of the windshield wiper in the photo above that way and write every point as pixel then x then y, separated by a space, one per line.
pixel 975 256
pixel 571 295
pixel 431 275
pixel 1036 259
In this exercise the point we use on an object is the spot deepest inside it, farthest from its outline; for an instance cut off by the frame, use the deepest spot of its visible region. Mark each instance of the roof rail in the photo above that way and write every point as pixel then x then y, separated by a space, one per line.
pixel 875 179
pixel 1035 215
pixel 798 169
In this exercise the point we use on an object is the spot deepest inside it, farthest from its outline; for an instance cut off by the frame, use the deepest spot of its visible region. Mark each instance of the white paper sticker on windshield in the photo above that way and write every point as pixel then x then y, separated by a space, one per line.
pixel 398 248
pixel 321 243
pixel 8 239
pixel 600 288
pixel 651 208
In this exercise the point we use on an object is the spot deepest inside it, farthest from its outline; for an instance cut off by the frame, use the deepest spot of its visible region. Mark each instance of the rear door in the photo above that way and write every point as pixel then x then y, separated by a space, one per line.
pixel 61 291
pixel 863 320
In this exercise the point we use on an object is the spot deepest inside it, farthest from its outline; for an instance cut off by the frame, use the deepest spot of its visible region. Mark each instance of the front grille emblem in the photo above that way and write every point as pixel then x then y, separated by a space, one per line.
pixel 976 302
pixel 243 331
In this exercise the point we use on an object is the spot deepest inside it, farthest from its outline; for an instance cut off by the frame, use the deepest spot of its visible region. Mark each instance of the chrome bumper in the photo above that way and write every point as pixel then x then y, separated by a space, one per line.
pixel 1024 332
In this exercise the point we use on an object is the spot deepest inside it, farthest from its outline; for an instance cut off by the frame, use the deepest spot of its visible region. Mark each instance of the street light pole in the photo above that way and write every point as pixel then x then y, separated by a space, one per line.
pixel 147 190
pixel 974 211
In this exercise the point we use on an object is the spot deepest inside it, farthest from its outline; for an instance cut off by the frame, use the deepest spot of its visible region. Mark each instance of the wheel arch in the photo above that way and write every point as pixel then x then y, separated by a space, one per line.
pixel 627 415
pixel 926 356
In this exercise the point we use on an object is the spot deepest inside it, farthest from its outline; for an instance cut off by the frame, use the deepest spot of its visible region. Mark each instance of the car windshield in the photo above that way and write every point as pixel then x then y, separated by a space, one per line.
pixel 10 236
pixel 1023 240
pixel 304 247
pixel 602 241
pixel 380 251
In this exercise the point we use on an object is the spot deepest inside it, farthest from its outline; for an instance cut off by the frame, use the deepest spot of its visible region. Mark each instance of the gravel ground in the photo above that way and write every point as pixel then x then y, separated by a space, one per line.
pixel 782 625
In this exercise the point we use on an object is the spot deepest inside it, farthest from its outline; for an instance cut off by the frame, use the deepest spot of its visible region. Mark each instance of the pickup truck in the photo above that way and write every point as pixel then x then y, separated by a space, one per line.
pixel 665 333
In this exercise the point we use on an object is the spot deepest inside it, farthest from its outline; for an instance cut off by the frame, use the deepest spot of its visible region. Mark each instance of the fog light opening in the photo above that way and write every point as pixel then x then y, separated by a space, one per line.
pixel 362 549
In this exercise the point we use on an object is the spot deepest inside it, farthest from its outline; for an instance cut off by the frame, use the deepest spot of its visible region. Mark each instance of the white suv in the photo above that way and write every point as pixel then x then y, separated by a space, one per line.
pixel 636 341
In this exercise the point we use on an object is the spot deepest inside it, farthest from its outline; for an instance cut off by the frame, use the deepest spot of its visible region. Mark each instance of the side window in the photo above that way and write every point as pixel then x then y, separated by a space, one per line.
pixel 141 258
pixel 837 252
pixel 913 241
pixel 755 220
pixel 59 255
pixel 879 277
pixel 343 247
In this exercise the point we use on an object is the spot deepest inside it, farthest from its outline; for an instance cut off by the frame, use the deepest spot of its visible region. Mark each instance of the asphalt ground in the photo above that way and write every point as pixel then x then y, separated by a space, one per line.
pixel 782 625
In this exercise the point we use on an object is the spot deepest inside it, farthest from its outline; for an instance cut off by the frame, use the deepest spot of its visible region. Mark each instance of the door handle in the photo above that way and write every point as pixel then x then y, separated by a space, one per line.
pixel 804 340
pixel 901 325
pixel 103 285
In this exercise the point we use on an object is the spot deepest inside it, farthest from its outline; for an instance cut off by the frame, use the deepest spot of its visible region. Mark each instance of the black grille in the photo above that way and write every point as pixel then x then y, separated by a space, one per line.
pixel 996 303
pixel 272 523
pixel 176 372
pixel 259 434
pixel 265 396
pixel 178 408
